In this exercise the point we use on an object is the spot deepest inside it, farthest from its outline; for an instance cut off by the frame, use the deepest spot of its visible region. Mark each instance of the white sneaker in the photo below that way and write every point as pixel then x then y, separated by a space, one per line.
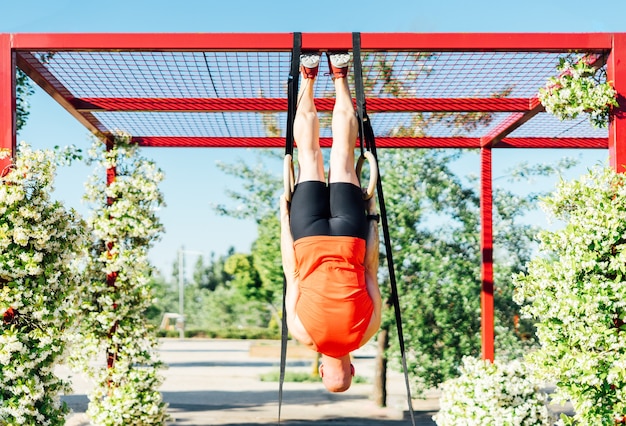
pixel 310 60
pixel 339 59
pixel 309 63
pixel 338 64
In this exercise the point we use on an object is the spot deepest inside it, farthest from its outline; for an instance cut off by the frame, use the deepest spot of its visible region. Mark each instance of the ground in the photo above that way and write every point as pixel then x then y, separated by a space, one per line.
pixel 216 382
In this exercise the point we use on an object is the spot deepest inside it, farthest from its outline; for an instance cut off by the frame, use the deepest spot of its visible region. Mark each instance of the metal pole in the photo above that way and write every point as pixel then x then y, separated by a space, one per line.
pixel 181 293
pixel 617 124
pixel 486 240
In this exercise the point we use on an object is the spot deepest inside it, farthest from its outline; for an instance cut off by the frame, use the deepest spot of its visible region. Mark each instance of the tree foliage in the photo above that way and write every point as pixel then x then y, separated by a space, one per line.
pixel 42 251
pixel 223 294
pixel 23 89
pixel 266 258
pixel 434 227
pixel 124 225
pixel 575 289
pixel 258 201
pixel 213 274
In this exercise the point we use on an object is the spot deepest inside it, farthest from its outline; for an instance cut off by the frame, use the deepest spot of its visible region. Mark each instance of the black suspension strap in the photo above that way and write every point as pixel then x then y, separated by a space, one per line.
pixel 292 90
pixel 361 110
pixel 292 100
pixel 367 140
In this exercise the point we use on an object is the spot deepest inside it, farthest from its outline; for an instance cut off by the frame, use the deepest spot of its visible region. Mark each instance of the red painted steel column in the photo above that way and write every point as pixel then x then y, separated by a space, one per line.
pixel 7 100
pixel 616 72
pixel 486 243
pixel 111 277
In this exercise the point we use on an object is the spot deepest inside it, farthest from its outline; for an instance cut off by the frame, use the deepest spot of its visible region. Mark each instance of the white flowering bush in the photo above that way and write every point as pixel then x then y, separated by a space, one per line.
pixel 41 245
pixel 579 88
pixel 113 326
pixel 492 394
pixel 576 290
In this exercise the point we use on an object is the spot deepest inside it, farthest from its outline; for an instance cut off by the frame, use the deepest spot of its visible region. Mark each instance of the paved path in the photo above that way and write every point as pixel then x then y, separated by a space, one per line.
pixel 216 382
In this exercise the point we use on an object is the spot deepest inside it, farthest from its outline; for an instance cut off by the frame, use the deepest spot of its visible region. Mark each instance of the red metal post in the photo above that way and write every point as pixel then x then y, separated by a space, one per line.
pixel 7 101
pixel 616 72
pixel 486 243
pixel 112 276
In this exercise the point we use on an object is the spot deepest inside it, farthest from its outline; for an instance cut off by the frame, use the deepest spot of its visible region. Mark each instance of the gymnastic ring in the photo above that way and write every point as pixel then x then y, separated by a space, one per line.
pixel 371 186
pixel 288 177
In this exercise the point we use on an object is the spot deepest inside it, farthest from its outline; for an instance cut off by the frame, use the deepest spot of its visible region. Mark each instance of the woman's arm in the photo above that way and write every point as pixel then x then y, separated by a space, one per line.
pixel 286 243
pixel 371 262
pixel 372 241
pixel 291 276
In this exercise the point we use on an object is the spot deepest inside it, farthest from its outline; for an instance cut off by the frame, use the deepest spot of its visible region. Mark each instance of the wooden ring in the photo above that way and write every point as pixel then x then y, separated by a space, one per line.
pixel 288 177
pixel 371 186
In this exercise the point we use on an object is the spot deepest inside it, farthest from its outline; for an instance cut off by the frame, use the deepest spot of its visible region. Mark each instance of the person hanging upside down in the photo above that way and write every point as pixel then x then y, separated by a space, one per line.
pixel 329 245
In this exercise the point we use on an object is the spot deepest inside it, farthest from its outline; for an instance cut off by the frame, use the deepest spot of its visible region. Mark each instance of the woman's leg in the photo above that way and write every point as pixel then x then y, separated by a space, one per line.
pixel 344 125
pixel 306 130
pixel 310 207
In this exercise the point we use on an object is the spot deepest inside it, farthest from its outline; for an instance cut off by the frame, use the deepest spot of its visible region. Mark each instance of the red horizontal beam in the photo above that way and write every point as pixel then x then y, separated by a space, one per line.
pixel 381 142
pixel 547 42
pixel 280 104
pixel 539 142
pixel 279 142
pixel 154 41
pixel 434 42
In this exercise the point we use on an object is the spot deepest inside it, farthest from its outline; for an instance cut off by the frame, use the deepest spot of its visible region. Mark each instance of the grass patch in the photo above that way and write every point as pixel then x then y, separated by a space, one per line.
pixel 290 376
pixel 301 377
pixel 225 333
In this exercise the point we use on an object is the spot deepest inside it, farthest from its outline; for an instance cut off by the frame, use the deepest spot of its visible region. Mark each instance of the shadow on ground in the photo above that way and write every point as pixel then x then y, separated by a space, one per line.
pixel 188 407
pixel 253 403
pixel 232 400
pixel 346 421
pixel 247 364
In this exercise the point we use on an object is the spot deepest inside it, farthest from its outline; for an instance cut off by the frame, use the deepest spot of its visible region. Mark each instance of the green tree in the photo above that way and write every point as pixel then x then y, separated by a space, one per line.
pixel 434 229
pixel 213 274
pixel 259 199
pixel 437 265
pixel 575 290
pixel 165 299
pixel 266 257
pixel 221 296
pixel 245 277
pixel 23 89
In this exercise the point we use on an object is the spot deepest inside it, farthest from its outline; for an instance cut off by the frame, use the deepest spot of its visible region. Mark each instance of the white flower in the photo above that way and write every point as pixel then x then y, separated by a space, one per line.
pixel 118 225
pixel 577 90
pixel 575 289
pixel 492 394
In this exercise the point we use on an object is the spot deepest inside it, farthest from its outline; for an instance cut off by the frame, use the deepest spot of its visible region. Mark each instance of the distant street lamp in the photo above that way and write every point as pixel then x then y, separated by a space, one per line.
pixel 180 321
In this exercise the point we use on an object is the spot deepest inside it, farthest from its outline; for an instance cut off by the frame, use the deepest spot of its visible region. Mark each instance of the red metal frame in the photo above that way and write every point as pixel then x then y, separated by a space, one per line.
pixel 111 174
pixel 486 247
pixel 21 50
pixel 545 42
pixel 381 142
pixel 7 101
pixel 280 104
pixel 616 72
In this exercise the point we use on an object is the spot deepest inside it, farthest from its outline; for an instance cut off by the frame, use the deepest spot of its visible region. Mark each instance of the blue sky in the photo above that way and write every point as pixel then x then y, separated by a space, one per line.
pixel 192 182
